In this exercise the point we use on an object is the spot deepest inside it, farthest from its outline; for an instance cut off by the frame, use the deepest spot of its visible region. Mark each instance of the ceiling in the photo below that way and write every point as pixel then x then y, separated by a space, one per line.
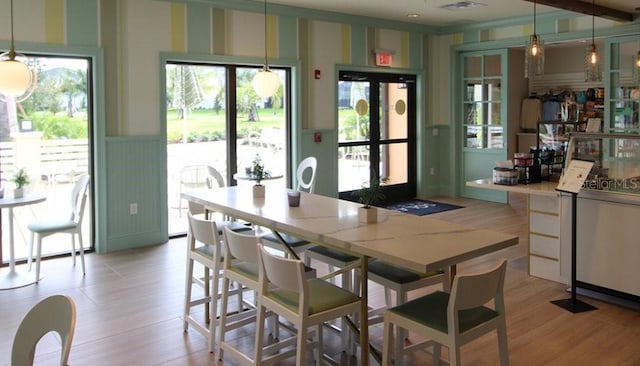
pixel 429 11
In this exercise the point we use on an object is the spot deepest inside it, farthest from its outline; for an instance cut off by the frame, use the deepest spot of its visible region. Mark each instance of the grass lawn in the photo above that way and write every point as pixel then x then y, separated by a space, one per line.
pixel 208 122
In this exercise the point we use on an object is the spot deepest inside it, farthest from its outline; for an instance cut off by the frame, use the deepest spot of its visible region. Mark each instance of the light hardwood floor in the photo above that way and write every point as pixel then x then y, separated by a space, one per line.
pixel 130 309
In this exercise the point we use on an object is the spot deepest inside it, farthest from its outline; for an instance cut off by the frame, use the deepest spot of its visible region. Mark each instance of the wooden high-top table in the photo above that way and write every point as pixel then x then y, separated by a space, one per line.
pixel 413 242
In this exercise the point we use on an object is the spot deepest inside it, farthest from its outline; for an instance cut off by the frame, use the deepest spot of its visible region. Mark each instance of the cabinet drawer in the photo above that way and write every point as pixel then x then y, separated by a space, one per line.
pixel 544 268
pixel 544 224
pixel 544 204
pixel 544 246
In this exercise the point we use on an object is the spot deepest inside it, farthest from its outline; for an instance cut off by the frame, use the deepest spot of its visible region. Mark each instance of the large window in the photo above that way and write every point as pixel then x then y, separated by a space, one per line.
pixel 215 120
pixel 47 134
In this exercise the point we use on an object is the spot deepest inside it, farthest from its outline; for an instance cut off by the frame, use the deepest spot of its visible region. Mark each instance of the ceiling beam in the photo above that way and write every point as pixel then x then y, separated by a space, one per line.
pixel 587 8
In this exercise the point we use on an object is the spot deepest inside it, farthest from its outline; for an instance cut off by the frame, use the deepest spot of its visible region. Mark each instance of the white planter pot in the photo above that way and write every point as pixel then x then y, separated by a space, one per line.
pixel 18 193
pixel 368 215
pixel 258 191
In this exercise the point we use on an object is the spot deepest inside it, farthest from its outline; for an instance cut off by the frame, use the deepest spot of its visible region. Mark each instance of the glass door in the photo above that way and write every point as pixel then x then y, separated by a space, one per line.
pixel 216 121
pixel 481 114
pixel 48 135
pixel 376 126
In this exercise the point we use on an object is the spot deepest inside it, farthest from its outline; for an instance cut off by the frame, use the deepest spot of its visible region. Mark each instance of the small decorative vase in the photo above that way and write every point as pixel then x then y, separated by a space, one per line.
pixel 18 193
pixel 258 191
pixel 368 215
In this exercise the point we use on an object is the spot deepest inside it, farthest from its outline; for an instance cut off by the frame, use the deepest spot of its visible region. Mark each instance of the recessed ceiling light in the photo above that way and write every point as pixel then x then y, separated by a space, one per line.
pixel 413 15
pixel 462 5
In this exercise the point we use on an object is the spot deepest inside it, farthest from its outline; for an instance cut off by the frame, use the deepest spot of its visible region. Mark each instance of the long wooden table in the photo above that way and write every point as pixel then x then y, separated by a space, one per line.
pixel 418 243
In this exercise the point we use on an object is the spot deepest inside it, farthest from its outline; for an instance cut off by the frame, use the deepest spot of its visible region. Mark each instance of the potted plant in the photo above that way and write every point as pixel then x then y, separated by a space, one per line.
pixel 369 195
pixel 257 173
pixel 21 179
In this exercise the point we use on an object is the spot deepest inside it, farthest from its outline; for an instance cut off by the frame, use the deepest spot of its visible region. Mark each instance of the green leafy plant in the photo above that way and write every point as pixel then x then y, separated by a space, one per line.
pixel 257 171
pixel 21 178
pixel 370 194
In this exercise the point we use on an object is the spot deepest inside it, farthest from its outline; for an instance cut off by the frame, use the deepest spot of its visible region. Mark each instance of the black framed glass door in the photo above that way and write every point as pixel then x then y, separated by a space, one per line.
pixel 376 126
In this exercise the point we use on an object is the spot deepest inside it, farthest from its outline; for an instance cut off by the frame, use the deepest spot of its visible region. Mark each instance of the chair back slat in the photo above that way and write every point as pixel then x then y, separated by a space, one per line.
pixel 56 313
pixel 473 290
pixel 284 273
pixel 311 164
pixel 241 246
pixel 215 178
pixel 79 195
pixel 203 231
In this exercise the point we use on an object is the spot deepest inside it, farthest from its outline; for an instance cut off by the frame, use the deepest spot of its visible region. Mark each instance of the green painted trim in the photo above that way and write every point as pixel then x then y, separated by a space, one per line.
pixel 304 54
pixel 54 21
pixel 82 22
pixel 371 44
pixel 198 23
pixel 219 31
pixel 288 36
pixel 415 50
pixel 471 36
pixel 358 45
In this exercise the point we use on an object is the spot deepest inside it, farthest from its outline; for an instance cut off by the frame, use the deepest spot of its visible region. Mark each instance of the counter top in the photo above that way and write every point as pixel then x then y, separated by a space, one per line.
pixel 543 188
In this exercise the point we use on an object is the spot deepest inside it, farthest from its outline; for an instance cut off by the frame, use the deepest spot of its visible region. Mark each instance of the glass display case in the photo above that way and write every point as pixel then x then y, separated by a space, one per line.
pixel 553 137
pixel 616 158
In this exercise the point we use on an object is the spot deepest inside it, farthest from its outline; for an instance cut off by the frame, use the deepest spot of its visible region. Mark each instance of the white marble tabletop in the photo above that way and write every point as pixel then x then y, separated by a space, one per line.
pixel 415 242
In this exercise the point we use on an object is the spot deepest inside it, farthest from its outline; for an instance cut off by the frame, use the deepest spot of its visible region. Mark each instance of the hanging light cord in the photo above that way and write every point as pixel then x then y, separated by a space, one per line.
pixel 266 63
pixel 593 21
pixel 12 49
pixel 534 17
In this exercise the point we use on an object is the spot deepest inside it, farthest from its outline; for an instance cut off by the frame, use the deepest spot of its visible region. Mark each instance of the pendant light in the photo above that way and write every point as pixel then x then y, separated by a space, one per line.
pixel 534 57
pixel 592 58
pixel 266 82
pixel 16 78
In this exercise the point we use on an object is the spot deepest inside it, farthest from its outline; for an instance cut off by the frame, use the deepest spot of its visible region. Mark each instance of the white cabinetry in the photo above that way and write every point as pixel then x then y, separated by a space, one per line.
pixel 545 237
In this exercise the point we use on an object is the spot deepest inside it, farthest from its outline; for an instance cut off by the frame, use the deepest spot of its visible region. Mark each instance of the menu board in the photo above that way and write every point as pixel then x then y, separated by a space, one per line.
pixel 574 176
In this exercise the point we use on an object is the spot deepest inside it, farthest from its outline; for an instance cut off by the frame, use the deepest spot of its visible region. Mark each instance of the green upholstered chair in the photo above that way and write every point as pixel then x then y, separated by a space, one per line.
pixel 286 291
pixel 453 319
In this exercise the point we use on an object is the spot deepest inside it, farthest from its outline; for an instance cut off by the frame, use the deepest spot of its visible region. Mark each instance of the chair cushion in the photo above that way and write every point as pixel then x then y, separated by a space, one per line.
pixel 332 253
pixel 291 241
pixel 49 226
pixel 233 225
pixel 322 296
pixel 249 270
pixel 207 251
pixel 431 311
pixel 397 274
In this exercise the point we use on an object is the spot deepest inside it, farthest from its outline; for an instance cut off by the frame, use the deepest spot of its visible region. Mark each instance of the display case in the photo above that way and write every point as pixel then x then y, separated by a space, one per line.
pixel 616 158
pixel 553 137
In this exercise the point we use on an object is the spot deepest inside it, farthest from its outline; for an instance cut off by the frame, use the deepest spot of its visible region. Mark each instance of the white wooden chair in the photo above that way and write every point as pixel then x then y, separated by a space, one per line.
pixel 203 239
pixel 70 225
pixel 57 314
pixel 401 281
pixel 285 290
pixel 240 266
pixel 453 319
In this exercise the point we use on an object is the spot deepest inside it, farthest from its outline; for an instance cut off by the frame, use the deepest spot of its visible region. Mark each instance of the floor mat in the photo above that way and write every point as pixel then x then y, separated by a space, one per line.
pixel 422 207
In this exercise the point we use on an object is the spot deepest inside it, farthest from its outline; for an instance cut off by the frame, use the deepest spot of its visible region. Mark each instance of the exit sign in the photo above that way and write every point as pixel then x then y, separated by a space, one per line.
pixel 383 58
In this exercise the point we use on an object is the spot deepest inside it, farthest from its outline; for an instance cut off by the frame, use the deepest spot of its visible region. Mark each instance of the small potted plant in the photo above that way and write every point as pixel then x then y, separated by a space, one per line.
pixel 369 195
pixel 21 179
pixel 257 173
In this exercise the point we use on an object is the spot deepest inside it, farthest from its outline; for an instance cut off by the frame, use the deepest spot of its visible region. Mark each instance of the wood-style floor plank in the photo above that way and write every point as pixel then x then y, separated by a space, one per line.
pixel 130 309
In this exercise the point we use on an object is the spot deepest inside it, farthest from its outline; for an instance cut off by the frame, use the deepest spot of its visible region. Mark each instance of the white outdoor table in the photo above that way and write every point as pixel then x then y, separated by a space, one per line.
pixel 15 278
pixel 414 242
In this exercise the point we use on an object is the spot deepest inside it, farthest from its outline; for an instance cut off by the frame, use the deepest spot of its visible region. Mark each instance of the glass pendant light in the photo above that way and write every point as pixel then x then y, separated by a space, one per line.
pixel 592 58
pixel 534 56
pixel 17 80
pixel 266 82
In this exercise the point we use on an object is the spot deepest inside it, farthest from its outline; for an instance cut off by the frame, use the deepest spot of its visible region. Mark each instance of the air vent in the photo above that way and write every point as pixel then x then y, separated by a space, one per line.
pixel 462 5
